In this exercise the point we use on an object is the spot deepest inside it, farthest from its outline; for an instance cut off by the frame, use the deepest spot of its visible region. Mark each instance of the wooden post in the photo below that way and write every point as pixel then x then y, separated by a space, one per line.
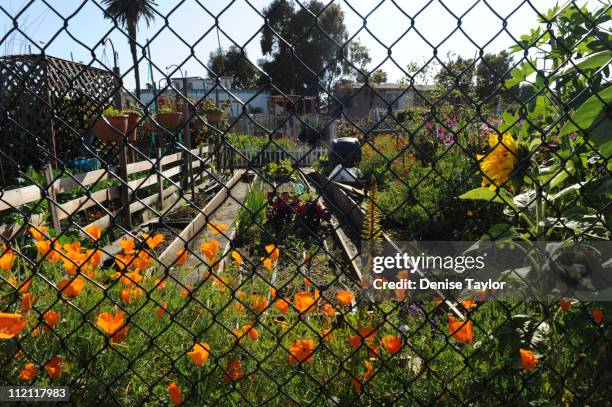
pixel 125 190
pixel 51 196
pixel 158 165
pixel 187 168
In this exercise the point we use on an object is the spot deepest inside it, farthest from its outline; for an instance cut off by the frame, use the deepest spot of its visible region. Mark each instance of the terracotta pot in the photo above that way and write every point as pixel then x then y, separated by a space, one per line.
pixel 133 119
pixel 111 128
pixel 214 117
pixel 197 124
pixel 170 120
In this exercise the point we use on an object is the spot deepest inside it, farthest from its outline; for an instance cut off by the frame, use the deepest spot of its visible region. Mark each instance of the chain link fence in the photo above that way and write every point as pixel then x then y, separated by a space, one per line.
pixel 200 240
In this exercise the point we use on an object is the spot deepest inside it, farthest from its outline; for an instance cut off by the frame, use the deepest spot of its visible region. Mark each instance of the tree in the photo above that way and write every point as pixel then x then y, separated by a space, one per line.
pixel 303 46
pixel 127 13
pixel 354 66
pixel 379 76
pixel 456 78
pixel 492 71
pixel 234 63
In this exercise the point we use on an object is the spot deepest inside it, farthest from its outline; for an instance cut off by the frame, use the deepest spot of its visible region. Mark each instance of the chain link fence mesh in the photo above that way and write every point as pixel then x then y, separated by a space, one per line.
pixel 178 243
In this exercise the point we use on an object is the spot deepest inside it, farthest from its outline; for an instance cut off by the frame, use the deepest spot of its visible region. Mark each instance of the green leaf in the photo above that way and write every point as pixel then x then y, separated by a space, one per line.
pixel 491 195
pixel 595 60
pixel 520 74
pixel 588 112
pixel 500 232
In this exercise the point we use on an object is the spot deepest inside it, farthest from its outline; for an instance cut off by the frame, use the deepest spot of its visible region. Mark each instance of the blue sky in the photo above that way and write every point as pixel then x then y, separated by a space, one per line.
pixel 86 26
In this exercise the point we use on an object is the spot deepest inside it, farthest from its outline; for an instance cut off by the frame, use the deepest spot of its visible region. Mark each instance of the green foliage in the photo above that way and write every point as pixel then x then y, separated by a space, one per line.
pixel 253 212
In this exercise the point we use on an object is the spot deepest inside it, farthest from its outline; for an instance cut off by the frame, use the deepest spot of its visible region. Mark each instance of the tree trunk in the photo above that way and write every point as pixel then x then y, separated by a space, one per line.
pixel 134 51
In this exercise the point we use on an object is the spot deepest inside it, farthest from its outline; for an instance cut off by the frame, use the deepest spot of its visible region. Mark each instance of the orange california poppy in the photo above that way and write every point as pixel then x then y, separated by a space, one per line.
pixel 272 291
pixel 210 249
pixel 233 371
pixel 55 367
pixel 130 279
pixel 130 294
pixel 181 257
pixel 598 316
pixel 21 287
pixel 273 251
pixel 301 351
pixel 529 360
pixel 110 323
pixel 358 383
pixel 268 263
pixel 185 291
pixel 160 284
pixel 94 231
pixel 6 258
pixel 392 343
pixel 366 334
pixel 127 245
pixel 50 318
pixel 468 304
pixel 175 394
pixel 45 250
pixel 237 257
pixel 329 310
pixel 120 335
pixel 303 301
pixel 326 334
pixel 11 325
pixel 71 288
pixel 124 261
pixel 199 353
pixel 28 372
pixel 216 228
pixel 346 297
pixel 282 305
pixel 162 309
pixel 259 303
pixel 565 305
pixel 459 330
pixel 38 232
pixel 27 300
pixel 153 241
pixel 307 282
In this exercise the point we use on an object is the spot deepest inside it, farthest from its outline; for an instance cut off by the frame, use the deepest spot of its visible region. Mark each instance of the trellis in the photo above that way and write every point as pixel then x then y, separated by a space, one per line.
pixel 44 99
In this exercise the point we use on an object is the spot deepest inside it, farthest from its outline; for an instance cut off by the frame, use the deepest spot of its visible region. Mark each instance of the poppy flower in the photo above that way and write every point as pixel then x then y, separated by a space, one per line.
pixel 346 297
pixel 110 323
pixel 301 351
pixel 237 257
pixel 124 261
pixel 282 305
pixel 11 325
pixel 248 330
pixel 366 334
pixel 28 372
pixel 210 249
pixel 55 367
pixel 565 305
pixel 94 231
pixel 199 353
pixel 127 245
pixel 50 318
pixel 392 343
pixel 468 304
pixel 216 228
pixel 21 287
pixel 71 288
pixel 153 241
pixel 303 301
pixel 181 257
pixel 326 334
pixel 175 394
pixel 6 259
pixel 120 335
pixel 38 232
pixel 272 291
pixel 130 294
pixel 130 279
pixel 45 249
pixel 273 251
pixel 358 383
pixel 162 309
pixel 528 359
pixel 26 302
pixel 268 263
pixel 598 316
pixel 459 330
pixel 259 303
pixel 307 282
pixel 329 310
pixel 186 290
pixel 233 371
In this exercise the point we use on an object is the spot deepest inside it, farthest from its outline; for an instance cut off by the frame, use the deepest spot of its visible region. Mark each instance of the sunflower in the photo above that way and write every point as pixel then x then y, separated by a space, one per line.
pixel 500 162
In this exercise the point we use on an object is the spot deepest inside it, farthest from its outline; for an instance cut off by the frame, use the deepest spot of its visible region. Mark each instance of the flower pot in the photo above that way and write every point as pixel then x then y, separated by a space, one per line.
pixel 169 120
pixel 214 117
pixel 110 128
pixel 197 124
pixel 133 119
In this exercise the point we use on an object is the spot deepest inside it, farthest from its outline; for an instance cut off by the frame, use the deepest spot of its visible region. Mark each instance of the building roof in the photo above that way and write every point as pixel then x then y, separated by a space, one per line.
pixel 390 86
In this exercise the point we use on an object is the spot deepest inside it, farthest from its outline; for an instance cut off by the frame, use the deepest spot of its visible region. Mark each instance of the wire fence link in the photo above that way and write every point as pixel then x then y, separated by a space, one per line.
pixel 205 240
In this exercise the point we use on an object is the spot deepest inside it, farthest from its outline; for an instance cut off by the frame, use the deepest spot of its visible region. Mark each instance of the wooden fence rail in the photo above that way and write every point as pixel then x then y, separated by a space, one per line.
pixel 150 172
pixel 302 156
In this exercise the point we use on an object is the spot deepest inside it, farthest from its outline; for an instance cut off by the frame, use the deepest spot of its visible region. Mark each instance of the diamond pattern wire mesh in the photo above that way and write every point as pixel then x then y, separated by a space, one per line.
pixel 186 263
